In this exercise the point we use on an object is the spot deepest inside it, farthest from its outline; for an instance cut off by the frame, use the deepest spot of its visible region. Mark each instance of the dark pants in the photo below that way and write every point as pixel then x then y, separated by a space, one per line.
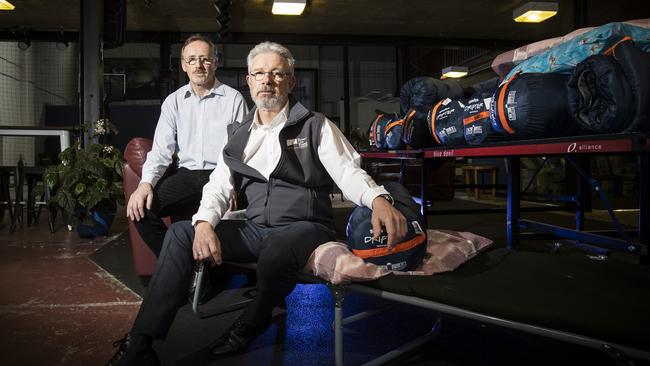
pixel 177 194
pixel 280 253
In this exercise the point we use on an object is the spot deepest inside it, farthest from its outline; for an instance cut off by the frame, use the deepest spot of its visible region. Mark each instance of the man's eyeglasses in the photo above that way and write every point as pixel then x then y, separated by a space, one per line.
pixel 205 61
pixel 275 75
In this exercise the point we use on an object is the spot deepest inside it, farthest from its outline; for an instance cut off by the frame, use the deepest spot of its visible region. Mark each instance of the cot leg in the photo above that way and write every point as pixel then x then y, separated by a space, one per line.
pixel 514 185
pixel 476 182
pixel 644 204
pixel 338 293
pixel 406 348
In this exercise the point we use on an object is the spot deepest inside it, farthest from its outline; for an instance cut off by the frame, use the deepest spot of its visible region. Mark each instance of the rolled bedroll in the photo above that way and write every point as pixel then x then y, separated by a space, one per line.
pixel 636 66
pixel 484 89
pixel 393 133
pixel 476 123
pixel 446 122
pixel 416 129
pixel 600 97
pixel 427 91
pixel 532 106
pixel 377 130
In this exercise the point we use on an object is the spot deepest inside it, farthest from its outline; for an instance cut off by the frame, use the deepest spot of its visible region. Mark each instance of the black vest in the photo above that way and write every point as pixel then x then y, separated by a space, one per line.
pixel 299 187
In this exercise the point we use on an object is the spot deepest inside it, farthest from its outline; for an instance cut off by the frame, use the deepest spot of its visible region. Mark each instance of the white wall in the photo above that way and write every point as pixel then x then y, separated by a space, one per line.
pixel 29 80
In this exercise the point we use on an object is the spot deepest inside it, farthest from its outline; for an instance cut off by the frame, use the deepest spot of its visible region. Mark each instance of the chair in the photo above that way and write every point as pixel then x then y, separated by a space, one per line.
pixel 5 197
pixel 135 154
pixel 477 170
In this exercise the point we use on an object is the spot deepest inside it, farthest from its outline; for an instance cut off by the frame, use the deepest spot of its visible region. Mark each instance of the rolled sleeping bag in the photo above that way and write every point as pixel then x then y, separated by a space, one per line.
pixel 600 97
pixel 484 89
pixel 427 91
pixel 405 255
pixel 476 122
pixel 376 131
pixel 416 129
pixel 636 66
pixel 446 122
pixel 532 106
pixel 393 133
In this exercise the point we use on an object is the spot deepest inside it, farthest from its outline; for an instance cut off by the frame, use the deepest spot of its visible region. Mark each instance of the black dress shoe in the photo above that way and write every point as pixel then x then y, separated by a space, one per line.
pixel 134 350
pixel 236 339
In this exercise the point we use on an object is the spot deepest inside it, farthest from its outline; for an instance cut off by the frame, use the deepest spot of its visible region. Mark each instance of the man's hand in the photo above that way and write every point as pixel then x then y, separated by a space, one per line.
pixel 385 215
pixel 206 243
pixel 142 196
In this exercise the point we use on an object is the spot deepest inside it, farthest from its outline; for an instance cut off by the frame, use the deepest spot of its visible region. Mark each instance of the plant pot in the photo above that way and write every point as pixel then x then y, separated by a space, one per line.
pixel 99 225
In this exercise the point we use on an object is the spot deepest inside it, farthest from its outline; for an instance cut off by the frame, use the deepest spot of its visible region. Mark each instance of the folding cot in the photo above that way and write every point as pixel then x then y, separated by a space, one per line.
pixel 575 298
pixel 595 303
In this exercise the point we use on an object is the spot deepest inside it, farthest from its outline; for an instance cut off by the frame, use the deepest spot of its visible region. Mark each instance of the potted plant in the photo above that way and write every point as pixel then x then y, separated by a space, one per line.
pixel 87 183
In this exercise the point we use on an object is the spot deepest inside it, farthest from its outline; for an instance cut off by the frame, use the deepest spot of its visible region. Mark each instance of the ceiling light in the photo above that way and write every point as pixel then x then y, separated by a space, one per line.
pixel 288 7
pixel 454 72
pixel 6 5
pixel 534 12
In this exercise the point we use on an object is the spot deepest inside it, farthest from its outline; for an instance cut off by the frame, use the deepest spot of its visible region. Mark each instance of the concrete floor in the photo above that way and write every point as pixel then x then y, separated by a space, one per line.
pixel 60 308
pixel 57 306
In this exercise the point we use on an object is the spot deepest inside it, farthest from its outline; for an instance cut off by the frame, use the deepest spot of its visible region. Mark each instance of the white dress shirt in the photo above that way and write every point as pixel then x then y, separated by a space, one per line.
pixel 262 152
pixel 193 127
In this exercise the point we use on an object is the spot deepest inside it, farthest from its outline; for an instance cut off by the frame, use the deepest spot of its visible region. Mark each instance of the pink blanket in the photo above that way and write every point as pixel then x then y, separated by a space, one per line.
pixel 446 250
pixel 504 62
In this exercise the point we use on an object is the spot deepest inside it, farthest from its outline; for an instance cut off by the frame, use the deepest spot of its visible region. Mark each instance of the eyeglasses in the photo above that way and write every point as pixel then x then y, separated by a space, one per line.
pixel 276 75
pixel 205 61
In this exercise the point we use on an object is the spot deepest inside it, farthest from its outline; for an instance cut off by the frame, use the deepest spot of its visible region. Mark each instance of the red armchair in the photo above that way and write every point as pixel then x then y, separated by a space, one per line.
pixel 135 154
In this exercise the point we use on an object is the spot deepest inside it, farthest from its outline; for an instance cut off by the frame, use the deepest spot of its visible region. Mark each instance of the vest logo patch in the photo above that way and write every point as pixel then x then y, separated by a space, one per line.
pixel 297 143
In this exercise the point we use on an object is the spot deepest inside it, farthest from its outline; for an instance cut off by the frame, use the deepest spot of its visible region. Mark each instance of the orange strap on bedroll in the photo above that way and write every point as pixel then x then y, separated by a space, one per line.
pixel 433 121
pixel 610 51
pixel 501 106
pixel 393 124
pixel 374 129
pixel 401 247
pixel 476 117
pixel 408 118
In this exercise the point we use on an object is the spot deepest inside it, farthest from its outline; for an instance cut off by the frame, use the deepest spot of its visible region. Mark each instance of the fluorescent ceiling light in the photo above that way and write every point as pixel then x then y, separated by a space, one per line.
pixel 454 72
pixel 534 12
pixel 6 5
pixel 288 7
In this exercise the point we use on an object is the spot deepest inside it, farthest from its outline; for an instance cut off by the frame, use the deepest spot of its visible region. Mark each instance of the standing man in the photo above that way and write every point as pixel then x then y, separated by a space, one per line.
pixel 192 125
pixel 284 158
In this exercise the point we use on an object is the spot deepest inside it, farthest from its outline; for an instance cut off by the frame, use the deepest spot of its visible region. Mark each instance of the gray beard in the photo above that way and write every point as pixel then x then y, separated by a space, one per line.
pixel 271 104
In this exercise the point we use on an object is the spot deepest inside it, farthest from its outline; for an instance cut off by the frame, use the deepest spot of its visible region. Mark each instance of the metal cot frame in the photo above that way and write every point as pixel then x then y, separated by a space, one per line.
pixel 572 149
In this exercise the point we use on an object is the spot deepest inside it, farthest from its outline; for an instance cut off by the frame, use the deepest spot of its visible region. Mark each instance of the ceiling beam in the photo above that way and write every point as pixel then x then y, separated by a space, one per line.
pixel 302 39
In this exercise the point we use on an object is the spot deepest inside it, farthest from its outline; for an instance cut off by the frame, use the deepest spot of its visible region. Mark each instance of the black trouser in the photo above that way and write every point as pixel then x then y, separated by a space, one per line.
pixel 177 194
pixel 281 253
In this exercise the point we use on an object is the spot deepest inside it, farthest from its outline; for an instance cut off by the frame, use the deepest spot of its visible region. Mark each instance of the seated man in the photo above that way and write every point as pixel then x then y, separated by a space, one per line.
pixel 192 124
pixel 284 158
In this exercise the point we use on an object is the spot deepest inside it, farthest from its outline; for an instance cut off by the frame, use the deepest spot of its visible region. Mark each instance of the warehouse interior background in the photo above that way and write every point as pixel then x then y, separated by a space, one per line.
pixel 352 59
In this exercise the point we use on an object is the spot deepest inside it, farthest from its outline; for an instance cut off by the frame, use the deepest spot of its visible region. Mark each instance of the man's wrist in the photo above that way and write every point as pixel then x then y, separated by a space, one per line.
pixel 200 223
pixel 384 196
pixel 147 183
pixel 388 198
